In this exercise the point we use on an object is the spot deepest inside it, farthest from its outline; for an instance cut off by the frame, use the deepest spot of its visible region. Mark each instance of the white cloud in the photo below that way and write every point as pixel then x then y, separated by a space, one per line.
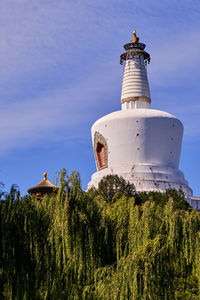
pixel 39 118
pixel 85 38
pixel 175 57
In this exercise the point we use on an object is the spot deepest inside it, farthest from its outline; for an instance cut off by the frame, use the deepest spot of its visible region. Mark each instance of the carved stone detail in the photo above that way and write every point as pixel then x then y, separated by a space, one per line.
pixel 100 151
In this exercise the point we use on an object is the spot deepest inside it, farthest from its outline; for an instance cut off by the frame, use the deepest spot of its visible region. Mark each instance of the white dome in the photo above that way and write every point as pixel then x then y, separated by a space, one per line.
pixel 140 113
pixel 143 146
pixel 141 136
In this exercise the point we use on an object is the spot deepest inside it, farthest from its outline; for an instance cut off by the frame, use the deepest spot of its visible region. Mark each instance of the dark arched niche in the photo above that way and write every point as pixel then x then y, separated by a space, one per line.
pixel 100 151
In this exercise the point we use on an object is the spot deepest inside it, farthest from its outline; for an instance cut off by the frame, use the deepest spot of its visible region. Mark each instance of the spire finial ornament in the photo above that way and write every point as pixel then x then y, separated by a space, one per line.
pixel 134 39
pixel 45 176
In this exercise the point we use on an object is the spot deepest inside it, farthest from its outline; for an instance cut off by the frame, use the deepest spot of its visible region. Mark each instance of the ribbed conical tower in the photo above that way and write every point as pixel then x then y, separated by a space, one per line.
pixel 135 87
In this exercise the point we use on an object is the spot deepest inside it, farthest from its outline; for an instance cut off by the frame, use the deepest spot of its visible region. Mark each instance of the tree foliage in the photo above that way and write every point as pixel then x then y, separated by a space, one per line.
pixel 83 245
pixel 112 184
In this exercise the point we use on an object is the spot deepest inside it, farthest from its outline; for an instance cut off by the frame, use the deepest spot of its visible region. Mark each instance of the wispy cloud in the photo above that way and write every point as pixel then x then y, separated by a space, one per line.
pixel 59 60
pixel 69 108
pixel 175 57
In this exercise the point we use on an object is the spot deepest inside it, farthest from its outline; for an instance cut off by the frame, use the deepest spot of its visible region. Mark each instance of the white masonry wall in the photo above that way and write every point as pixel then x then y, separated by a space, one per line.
pixel 143 147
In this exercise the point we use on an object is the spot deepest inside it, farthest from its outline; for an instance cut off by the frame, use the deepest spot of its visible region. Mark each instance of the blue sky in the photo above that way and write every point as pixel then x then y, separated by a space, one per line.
pixel 60 71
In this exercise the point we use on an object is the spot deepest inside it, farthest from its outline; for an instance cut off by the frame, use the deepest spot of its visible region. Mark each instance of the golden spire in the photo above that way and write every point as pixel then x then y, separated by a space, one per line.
pixel 135 39
pixel 45 176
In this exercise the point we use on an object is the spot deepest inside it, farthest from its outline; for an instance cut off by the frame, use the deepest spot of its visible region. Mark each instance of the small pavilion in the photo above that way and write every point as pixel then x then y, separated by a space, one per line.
pixel 45 187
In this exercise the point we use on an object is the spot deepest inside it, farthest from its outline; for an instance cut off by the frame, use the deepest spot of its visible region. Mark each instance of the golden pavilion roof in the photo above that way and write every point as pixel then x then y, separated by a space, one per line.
pixel 45 186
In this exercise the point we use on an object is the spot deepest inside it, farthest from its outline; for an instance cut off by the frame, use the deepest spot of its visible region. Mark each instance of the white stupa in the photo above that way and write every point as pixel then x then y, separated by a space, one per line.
pixel 140 144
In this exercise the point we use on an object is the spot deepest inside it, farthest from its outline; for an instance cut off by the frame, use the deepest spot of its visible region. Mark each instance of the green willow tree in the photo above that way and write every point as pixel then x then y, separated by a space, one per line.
pixel 78 245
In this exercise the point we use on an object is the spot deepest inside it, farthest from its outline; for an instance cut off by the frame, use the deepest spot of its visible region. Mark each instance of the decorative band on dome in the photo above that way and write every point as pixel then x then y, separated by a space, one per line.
pixel 139 98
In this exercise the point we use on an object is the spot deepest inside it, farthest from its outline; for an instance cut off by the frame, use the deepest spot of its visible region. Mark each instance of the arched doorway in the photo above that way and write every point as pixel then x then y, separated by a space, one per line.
pixel 100 151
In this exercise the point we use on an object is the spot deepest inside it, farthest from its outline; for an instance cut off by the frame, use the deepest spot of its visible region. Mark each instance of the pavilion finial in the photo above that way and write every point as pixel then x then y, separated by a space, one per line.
pixel 45 175
pixel 134 39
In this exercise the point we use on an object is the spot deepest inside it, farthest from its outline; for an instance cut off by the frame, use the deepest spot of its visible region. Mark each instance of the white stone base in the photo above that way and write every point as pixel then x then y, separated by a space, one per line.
pixel 146 178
